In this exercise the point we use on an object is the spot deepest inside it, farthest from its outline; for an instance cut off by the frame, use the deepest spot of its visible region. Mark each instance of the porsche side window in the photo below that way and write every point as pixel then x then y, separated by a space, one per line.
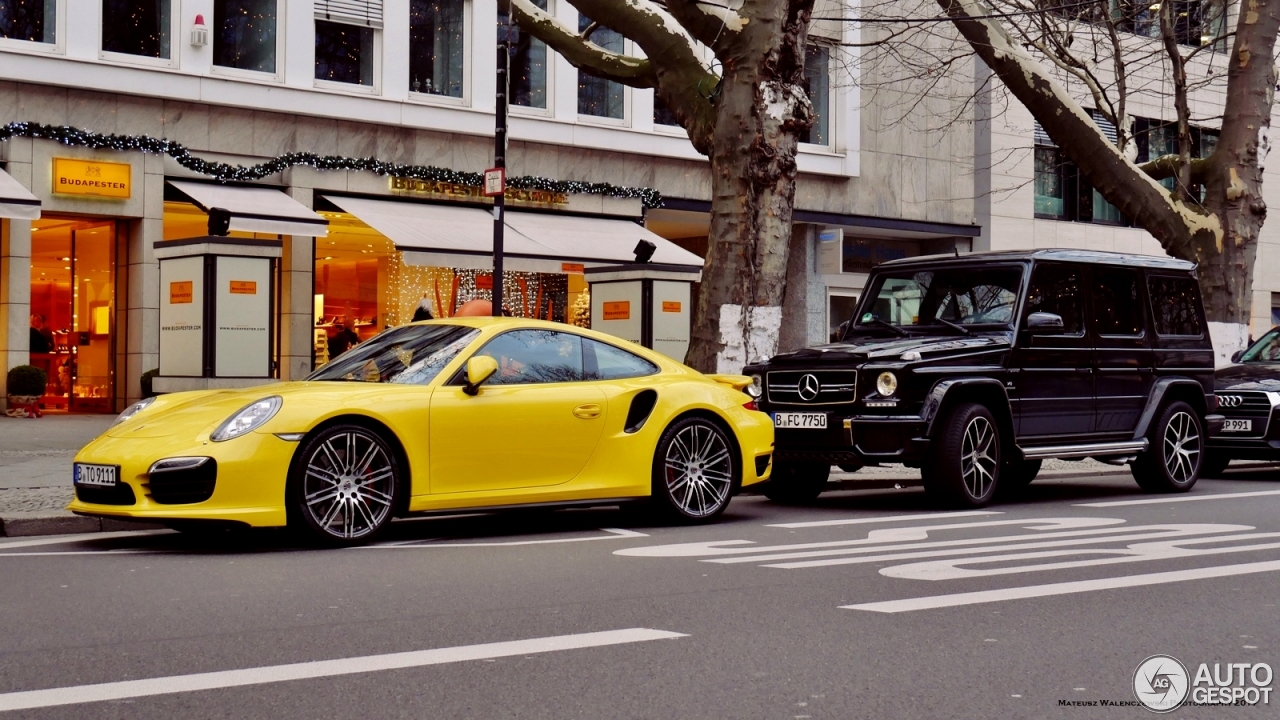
pixel 535 356
pixel 1056 289
pixel 408 355
pixel 606 362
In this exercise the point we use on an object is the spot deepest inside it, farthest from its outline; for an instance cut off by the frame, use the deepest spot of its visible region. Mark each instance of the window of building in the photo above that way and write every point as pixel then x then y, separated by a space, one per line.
pixel 1275 309
pixel 347 36
pixel 662 115
pixel 244 35
pixel 1175 303
pixel 1195 22
pixel 535 356
pixel 1155 138
pixel 840 309
pixel 1056 289
pixel 602 361
pixel 29 20
pixel 1062 192
pixel 817 83
pixel 1117 302
pixel 529 68
pixel 142 28
pixel 436 47
pixel 598 97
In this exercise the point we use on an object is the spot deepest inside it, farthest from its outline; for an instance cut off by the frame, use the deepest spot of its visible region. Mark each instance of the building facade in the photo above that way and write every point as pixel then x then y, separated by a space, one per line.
pixel 130 122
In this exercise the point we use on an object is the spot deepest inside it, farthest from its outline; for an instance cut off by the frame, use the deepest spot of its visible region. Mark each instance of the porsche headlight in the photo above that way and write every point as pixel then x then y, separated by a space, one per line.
pixel 886 384
pixel 249 418
pixel 132 410
pixel 756 388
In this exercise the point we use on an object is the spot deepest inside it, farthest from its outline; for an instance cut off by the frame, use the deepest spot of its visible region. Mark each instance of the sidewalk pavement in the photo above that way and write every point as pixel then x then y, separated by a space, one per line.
pixel 36 456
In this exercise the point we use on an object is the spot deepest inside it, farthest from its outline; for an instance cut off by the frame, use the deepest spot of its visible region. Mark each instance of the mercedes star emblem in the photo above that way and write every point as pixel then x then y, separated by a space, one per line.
pixel 809 387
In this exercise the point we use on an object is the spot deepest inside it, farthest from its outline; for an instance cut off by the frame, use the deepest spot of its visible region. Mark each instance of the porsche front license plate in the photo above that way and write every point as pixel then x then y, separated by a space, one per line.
pixel 99 475
pixel 1237 426
pixel 801 421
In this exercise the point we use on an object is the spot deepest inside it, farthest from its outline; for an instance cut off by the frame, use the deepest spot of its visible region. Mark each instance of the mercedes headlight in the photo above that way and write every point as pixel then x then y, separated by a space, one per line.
pixel 132 410
pixel 756 388
pixel 249 418
pixel 886 384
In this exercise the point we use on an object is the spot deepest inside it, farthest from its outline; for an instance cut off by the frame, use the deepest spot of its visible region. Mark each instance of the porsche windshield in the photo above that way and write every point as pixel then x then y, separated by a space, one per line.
pixel 958 296
pixel 409 355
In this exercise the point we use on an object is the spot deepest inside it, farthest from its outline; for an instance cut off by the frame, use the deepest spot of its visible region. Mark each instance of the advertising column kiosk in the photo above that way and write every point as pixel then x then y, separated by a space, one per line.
pixel 646 303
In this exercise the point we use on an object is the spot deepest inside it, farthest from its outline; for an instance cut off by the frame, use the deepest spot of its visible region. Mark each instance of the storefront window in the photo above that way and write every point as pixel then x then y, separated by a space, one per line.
pixel 529 68
pixel 137 27
pixel 30 20
pixel 244 34
pixel 73 312
pixel 364 286
pixel 840 309
pixel 436 47
pixel 817 82
pixel 344 53
pixel 597 97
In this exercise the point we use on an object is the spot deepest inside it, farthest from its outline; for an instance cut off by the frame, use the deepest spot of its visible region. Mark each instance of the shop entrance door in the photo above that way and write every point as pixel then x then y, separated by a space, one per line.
pixel 73 317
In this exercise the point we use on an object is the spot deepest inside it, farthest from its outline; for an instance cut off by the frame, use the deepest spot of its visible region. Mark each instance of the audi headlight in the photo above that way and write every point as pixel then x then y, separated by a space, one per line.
pixel 132 410
pixel 756 388
pixel 886 384
pixel 249 418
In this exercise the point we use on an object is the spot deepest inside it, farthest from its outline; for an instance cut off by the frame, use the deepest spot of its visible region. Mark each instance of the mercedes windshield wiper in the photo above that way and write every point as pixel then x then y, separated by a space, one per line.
pixel 889 325
pixel 954 326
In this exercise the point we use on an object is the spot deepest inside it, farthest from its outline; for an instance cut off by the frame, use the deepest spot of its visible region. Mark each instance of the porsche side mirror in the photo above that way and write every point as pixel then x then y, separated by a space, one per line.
pixel 479 369
pixel 1041 323
pixel 1235 356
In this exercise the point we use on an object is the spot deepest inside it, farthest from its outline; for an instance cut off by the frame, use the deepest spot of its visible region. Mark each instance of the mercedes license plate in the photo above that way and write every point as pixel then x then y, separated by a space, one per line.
pixel 98 475
pixel 800 421
pixel 1237 426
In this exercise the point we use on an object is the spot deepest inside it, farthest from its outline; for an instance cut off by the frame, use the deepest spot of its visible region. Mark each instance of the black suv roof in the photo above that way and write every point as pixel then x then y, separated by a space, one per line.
pixel 1095 257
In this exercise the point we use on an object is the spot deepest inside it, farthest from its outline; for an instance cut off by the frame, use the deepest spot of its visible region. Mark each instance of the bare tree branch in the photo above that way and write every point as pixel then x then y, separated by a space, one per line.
pixel 581 52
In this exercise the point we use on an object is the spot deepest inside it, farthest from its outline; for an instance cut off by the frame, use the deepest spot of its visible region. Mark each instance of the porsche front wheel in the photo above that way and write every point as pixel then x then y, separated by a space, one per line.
pixel 346 485
pixel 695 470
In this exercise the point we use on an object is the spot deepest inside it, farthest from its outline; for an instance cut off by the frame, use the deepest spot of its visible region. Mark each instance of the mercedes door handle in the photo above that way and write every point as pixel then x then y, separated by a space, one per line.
pixel 587 412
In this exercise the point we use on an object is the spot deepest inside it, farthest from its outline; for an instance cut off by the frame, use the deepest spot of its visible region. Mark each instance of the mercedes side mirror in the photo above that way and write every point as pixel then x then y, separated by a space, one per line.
pixel 479 369
pixel 1235 356
pixel 1042 323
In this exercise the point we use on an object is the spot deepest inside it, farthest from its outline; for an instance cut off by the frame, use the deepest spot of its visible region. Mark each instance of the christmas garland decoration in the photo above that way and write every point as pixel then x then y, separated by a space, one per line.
pixel 224 172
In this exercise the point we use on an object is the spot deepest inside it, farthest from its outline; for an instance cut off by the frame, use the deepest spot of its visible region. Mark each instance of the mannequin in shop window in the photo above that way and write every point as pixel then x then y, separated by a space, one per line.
pixel 41 336
pixel 423 311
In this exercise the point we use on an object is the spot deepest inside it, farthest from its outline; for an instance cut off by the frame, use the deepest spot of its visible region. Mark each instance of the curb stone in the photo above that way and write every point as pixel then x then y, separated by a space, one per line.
pixel 62 523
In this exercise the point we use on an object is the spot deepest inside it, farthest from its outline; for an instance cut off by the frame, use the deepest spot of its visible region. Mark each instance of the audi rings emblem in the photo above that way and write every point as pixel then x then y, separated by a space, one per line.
pixel 1230 401
pixel 809 387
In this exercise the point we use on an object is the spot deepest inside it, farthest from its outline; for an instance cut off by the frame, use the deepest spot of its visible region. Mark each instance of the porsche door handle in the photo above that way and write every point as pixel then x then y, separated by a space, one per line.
pixel 587 412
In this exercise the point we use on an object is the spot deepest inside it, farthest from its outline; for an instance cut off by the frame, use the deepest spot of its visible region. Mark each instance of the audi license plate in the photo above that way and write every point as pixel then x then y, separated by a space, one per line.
pixel 802 421
pixel 98 475
pixel 1237 426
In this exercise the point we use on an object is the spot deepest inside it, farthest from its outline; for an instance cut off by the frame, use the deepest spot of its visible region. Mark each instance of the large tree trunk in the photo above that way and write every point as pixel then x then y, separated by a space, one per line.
pixel 761 111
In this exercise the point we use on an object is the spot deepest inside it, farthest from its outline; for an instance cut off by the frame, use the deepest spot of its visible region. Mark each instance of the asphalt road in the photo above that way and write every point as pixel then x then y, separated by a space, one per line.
pixel 889 609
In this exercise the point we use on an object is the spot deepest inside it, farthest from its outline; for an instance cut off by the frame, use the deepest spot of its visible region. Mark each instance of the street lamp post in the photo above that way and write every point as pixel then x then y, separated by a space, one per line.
pixel 500 156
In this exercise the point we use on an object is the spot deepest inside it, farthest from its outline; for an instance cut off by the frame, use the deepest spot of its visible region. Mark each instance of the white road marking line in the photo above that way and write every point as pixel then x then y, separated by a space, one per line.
pixel 1178 498
pixel 81 552
pixel 53 697
pixel 890 518
pixel 1063 588
pixel 614 534
pixel 88 537
pixel 883 535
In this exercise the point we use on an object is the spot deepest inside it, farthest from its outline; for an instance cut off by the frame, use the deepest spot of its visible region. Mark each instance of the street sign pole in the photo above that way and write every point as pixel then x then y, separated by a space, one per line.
pixel 500 157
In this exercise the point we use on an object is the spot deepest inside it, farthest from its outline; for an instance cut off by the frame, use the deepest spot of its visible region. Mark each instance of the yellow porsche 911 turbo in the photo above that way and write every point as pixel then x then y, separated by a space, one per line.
pixel 452 414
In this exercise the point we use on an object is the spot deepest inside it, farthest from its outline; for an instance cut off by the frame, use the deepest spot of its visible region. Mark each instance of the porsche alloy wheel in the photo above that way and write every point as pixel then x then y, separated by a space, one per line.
pixel 695 470
pixel 347 485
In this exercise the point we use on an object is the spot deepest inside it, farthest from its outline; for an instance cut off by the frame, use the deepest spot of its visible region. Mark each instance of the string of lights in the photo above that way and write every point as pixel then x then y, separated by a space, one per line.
pixel 225 172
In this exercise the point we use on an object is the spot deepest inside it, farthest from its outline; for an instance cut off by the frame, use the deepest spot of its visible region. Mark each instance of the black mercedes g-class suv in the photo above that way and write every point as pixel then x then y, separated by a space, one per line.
pixel 975 368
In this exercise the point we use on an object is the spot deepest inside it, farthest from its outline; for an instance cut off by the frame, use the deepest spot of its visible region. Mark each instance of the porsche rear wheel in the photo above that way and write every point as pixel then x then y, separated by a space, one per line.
pixel 695 470
pixel 346 486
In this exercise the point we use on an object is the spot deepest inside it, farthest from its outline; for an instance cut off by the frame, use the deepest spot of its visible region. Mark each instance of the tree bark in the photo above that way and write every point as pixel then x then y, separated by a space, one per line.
pixel 761 111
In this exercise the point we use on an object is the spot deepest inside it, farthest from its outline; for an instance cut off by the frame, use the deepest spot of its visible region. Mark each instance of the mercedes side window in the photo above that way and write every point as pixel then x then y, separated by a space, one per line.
pixel 1056 289
pixel 1117 301
pixel 1175 303
pixel 535 356
pixel 606 362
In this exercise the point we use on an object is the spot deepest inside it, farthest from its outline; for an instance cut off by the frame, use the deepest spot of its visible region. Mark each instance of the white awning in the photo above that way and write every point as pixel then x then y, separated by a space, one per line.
pixel 17 202
pixel 431 234
pixel 255 209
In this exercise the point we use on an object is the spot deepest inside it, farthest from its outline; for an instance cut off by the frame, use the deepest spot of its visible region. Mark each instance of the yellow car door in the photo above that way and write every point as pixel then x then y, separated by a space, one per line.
pixel 535 423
